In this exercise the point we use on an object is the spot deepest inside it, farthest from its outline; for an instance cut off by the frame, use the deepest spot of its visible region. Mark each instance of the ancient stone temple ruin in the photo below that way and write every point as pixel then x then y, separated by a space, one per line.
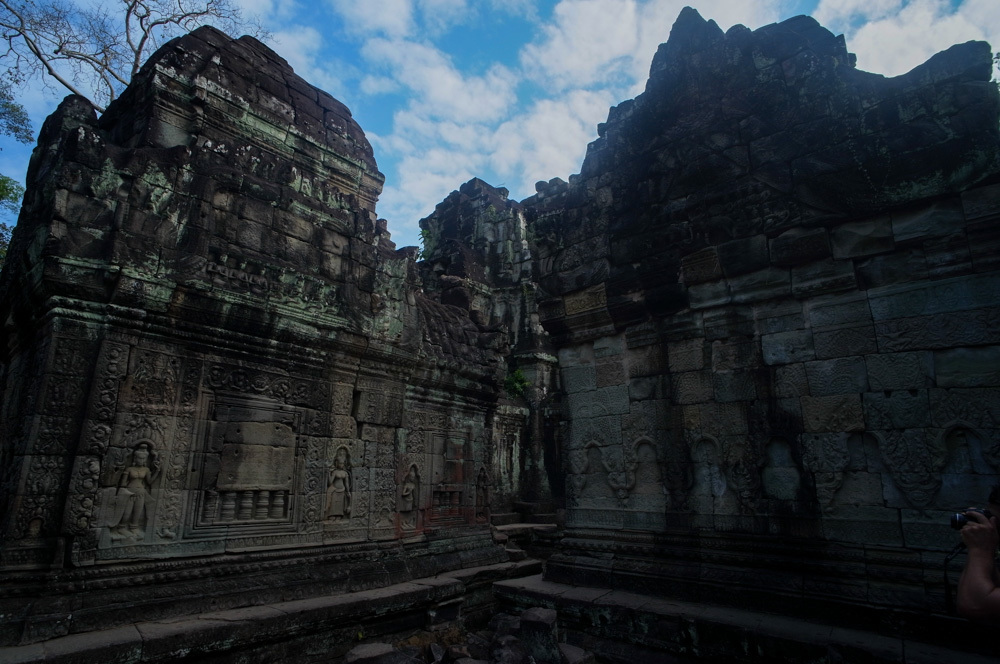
pixel 750 353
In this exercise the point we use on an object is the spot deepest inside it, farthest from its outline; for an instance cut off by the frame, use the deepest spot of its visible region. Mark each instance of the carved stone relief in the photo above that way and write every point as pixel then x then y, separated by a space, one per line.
pixel 647 492
pixel 128 503
pixel 383 502
pixel 744 473
pixel 409 499
pixel 600 479
pixel 781 477
pixel 379 402
pixel 970 472
pixel 970 450
pixel 677 477
pixel 83 499
pixel 710 490
pixel 252 382
pixel 153 381
pixel 339 487
pixel 827 457
pixel 40 499
pixel 448 482
pixel 248 464
pixel 915 461
pixel 482 496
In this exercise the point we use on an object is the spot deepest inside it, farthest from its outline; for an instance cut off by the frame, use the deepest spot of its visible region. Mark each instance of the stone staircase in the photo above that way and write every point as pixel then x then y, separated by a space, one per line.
pixel 532 529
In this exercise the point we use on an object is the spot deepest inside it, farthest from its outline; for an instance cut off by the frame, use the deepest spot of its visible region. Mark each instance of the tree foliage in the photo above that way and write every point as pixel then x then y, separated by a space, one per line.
pixel 94 51
pixel 13 122
pixel 4 241
pixel 91 49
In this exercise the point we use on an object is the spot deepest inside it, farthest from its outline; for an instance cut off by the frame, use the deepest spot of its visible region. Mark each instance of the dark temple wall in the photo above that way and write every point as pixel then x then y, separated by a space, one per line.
pixel 752 347
pixel 215 367
pixel 774 293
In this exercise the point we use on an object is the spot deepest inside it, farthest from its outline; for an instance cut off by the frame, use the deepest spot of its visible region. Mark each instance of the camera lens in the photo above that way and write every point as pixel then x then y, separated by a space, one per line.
pixel 958 520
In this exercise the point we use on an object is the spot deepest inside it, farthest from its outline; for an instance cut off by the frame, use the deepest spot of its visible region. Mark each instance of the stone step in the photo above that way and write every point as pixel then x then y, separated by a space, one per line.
pixel 516 553
pixel 505 518
pixel 601 621
pixel 533 507
pixel 545 517
pixel 267 629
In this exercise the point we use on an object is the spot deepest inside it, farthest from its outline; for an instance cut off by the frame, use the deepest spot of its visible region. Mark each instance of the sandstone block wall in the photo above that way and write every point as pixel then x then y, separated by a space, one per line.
pixel 773 295
pixel 218 379
pixel 751 348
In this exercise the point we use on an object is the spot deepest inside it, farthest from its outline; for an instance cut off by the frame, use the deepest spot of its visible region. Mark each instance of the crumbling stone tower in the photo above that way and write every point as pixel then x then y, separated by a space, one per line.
pixel 761 330
pixel 215 367
pixel 773 289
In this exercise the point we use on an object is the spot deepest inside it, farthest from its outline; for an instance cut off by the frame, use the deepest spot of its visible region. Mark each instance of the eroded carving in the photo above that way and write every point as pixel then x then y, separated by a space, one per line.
pixel 646 489
pixel 827 457
pixel 915 462
pixel 482 496
pixel 340 485
pixel 710 485
pixel 128 505
pixel 409 499
pixel 781 477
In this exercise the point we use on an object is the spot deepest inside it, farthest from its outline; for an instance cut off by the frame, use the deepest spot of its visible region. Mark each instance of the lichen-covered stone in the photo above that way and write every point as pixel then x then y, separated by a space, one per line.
pixel 824 232
pixel 213 353
pixel 751 348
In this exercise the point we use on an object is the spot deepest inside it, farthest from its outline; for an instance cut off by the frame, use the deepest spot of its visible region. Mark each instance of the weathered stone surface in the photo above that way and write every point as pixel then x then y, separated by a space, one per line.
pixel 938 219
pixel 862 238
pixel 935 297
pixel 899 371
pixel 788 347
pixel 750 348
pixel 841 412
pixel 967 367
pixel 540 635
pixel 844 341
pixel 376 653
pixel 798 246
pixel 825 276
pixel 230 346
pixel 842 376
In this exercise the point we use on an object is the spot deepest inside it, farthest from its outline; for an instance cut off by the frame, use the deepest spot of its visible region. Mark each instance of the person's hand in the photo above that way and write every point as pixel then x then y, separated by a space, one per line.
pixel 981 533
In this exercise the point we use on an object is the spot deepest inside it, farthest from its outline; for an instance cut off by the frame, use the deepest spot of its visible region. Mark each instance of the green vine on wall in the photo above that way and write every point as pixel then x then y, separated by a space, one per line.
pixel 515 384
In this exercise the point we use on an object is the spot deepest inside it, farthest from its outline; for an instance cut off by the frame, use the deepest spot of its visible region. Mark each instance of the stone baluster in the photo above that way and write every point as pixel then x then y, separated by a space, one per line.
pixel 228 506
pixel 263 503
pixel 278 505
pixel 246 506
pixel 211 508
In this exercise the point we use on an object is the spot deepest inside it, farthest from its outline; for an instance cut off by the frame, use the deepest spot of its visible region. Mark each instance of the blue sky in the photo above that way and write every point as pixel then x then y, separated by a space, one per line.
pixel 512 90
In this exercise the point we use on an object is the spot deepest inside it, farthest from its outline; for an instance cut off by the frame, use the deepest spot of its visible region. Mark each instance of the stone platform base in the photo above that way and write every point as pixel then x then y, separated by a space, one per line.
pixel 320 629
pixel 624 627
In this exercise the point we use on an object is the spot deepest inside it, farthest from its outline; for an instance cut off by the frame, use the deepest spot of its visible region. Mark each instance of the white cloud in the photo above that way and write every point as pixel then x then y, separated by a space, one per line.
pixel 592 55
pixel 657 17
pixel 899 42
pixel 588 41
pixel 435 157
pixel 377 85
pixel 526 8
pixel 612 42
pixel 440 89
pixel 304 49
pixel 839 14
pixel 392 18
pixel 439 15
pixel 425 179
pixel 271 12
pixel 548 140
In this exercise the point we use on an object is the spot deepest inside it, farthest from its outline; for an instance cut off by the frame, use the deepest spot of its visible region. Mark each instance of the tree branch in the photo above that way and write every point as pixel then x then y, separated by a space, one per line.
pixel 96 49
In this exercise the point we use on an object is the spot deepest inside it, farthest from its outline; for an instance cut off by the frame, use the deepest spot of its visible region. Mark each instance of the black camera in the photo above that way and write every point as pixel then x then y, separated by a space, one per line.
pixel 958 520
